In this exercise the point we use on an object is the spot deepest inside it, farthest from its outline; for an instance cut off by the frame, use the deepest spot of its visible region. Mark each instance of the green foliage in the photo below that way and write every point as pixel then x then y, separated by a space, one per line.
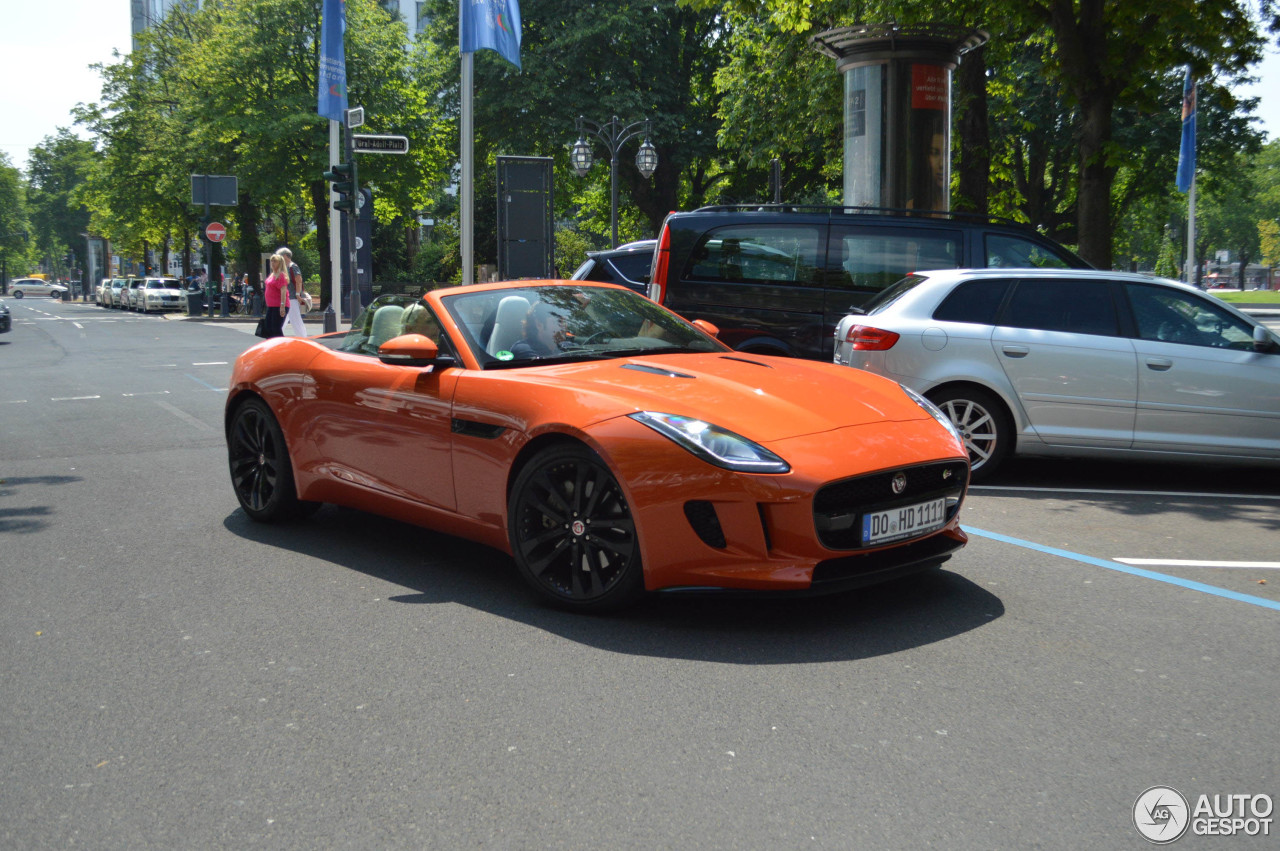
pixel 571 251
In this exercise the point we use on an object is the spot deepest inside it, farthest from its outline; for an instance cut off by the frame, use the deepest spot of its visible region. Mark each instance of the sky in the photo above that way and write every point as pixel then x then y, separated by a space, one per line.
pixel 45 51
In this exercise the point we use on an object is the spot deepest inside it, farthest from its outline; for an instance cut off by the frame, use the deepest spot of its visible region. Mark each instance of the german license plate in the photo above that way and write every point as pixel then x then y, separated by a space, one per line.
pixel 906 522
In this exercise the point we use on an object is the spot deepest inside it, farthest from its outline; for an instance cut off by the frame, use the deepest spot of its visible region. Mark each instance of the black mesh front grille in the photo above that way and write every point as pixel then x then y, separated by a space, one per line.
pixel 702 517
pixel 839 507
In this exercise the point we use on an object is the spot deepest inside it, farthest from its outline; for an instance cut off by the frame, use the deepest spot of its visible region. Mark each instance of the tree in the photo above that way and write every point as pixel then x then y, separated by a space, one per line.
pixel 13 217
pixel 631 59
pixel 230 88
pixel 59 218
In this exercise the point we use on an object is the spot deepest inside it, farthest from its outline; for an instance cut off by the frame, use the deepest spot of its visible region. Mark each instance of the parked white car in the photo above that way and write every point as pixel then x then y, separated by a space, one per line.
pixel 157 294
pixel 1073 362
pixel 115 297
pixel 23 287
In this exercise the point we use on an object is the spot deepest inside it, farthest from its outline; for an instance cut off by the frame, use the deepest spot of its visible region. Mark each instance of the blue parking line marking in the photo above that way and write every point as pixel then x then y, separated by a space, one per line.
pixel 1132 571
pixel 199 381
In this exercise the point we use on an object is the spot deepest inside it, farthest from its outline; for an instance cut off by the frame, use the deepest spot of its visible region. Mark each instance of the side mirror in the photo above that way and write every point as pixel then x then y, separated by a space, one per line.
pixel 706 327
pixel 410 350
pixel 1262 339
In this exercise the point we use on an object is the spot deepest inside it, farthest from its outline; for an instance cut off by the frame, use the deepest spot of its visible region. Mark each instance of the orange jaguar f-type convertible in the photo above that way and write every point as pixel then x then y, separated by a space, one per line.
pixel 608 445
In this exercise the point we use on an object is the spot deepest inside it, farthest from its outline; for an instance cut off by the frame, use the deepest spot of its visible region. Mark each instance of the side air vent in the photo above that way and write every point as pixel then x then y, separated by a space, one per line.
pixel 471 428
pixel 702 517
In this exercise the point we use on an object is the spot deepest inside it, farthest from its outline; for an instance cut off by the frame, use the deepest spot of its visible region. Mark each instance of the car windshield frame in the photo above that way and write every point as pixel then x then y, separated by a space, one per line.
pixel 598 323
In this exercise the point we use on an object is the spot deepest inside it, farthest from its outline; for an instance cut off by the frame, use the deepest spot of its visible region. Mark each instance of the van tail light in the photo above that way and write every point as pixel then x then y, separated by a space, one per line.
pixel 661 261
pixel 864 338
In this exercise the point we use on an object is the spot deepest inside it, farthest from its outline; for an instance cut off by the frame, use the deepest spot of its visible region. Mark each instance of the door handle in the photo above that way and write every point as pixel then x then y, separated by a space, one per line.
pixel 1015 351
pixel 1159 364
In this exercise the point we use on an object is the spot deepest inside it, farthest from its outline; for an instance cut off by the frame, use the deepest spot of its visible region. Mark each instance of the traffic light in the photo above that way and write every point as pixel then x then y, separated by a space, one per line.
pixel 343 176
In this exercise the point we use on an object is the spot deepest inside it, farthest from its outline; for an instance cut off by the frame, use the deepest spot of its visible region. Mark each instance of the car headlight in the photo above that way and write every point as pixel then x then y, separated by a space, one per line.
pixel 714 444
pixel 935 412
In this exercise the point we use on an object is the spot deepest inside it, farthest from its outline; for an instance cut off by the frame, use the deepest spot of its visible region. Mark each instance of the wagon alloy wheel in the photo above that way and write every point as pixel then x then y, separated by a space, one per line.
pixel 572 533
pixel 261 473
pixel 982 423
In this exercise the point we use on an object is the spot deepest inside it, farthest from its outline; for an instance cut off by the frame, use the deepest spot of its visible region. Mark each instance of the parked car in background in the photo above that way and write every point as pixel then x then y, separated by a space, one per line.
pixel 158 294
pixel 6 319
pixel 101 292
pixel 1087 363
pixel 610 446
pixel 129 293
pixel 628 265
pixel 23 287
pixel 116 296
pixel 775 279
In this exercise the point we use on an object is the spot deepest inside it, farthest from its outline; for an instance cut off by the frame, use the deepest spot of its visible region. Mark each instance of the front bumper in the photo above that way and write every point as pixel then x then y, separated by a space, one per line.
pixel 702 527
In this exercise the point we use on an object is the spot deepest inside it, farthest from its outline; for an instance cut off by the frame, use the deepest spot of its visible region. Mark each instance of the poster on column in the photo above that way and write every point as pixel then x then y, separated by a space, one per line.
pixel 929 158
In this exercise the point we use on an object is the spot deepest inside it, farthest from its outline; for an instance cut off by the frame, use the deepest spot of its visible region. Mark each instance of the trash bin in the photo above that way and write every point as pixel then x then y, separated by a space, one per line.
pixel 195 303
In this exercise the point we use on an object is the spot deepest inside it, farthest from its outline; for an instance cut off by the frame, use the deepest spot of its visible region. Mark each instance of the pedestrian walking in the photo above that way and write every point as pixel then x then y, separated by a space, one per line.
pixel 276 290
pixel 294 317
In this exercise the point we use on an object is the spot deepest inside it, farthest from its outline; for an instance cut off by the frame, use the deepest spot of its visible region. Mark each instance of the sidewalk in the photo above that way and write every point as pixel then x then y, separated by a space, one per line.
pixel 313 320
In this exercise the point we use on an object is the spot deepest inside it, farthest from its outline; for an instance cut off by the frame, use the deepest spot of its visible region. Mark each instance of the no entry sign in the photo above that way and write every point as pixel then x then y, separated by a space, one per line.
pixel 215 232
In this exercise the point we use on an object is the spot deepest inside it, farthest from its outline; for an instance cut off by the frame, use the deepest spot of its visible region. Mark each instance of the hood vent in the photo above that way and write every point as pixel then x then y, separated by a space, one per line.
pixel 655 370
pixel 744 360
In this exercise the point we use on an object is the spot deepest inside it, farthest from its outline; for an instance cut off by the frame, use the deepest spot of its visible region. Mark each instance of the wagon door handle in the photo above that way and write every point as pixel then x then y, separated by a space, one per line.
pixel 1015 351
pixel 1159 364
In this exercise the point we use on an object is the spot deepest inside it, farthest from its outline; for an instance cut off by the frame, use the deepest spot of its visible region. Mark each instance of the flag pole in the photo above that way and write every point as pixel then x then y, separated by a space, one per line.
pixel 1191 233
pixel 466 196
pixel 335 229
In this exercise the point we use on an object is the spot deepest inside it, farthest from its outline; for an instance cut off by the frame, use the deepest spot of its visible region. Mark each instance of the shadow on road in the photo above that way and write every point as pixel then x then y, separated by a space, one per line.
pixel 912 612
pixel 32 518
pixel 1208 492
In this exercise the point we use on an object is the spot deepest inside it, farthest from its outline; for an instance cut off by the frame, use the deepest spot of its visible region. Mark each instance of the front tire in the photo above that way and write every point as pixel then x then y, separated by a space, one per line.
pixel 572 533
pixel 984 424
pixel 261 472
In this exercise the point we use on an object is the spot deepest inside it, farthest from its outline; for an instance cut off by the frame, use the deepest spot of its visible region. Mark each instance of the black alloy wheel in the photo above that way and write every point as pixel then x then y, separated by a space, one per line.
pixel 261 472
pixel 572 533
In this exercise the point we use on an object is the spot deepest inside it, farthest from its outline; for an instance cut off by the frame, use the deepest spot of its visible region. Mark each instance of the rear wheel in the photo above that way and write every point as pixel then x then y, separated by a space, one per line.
pixel 17 293
pixel 984 424
pixel 572 532
pixel 261 472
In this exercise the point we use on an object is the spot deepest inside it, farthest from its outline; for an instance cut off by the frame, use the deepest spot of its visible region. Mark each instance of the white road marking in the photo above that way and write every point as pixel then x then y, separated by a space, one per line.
pixel 72 398
pixel 15 401
pixel 211 363
pixel 185 417
pixel 148 393
pixel 1177 562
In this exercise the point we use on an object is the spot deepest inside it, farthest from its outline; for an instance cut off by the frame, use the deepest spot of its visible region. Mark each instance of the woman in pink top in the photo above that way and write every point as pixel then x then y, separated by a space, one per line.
pixel 276 292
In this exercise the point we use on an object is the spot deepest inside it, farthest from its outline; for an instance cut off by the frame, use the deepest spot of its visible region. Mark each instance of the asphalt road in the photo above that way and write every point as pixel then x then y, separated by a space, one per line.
pixel 173 675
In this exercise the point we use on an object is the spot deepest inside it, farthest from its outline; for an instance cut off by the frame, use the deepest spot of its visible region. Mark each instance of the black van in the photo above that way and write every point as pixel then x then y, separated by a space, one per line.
pixel 775 279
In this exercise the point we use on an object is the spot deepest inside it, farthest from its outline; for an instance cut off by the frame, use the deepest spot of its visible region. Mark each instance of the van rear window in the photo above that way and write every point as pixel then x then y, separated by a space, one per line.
pixel 870 260
pixel 764 254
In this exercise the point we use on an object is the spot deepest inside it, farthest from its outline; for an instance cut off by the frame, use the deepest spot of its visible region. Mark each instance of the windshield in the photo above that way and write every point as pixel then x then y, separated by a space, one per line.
pixel 534 325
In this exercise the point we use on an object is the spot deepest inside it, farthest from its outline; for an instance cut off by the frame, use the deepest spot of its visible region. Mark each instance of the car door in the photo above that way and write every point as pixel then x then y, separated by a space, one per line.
pixel 388 428
pixel 1202 386
pixel 1058 341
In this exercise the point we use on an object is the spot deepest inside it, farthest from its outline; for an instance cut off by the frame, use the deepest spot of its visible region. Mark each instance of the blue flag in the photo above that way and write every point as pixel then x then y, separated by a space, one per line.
pixel 1187 153
pixel 331 77
pixel 492 25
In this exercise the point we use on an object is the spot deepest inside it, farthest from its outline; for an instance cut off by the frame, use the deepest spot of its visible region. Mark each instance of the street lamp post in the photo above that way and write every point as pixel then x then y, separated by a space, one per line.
pixel 613 135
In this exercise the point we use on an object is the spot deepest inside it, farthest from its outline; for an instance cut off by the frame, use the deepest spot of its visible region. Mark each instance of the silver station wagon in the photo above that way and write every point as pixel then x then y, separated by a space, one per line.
pixel 1074 362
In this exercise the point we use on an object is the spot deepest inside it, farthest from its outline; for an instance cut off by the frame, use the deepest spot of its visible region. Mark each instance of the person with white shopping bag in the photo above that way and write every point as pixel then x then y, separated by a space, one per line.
pixel 299 298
